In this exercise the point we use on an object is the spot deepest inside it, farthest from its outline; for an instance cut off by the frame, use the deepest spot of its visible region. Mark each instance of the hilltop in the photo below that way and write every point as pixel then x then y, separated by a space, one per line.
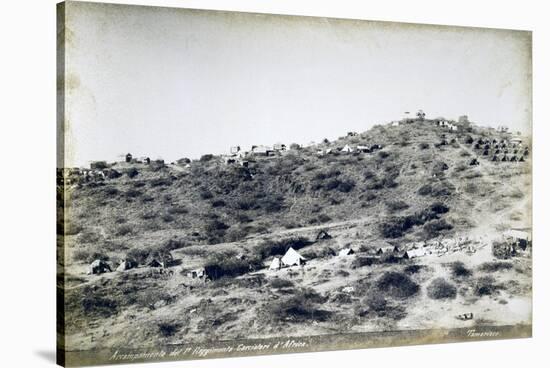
pixel 416 181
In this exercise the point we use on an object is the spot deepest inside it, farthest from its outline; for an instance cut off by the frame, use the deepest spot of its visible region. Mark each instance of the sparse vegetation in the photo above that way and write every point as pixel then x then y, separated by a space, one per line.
pixel 397 285
pixel 441 289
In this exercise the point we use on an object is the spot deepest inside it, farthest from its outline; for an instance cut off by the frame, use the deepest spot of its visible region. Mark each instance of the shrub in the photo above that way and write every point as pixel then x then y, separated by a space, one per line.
pixel 343 186
pixel 132 172
pixel 376 302
pixel 157 182
pixel 222 265
pixel 124 230
pixel 183 161
pixel 273 248
pixel 412 269
pixel 396 227
pixel 397 285
pixel 99 305
pixel 322 175
pixel 441 289
pixel 363 261
pixel 132 193
pixel 425 190
pixel 458 269
pixel 271 203
pixel 172 244
pixel 396 205
pixel 439 208
pixel 111 191
pixel 205 194
pixel 368 174
pixel 434 227
pixel 281 283
pixel 299 308
pixel 383 154
pixel 236 233
pixel 218 203
pixel 495 266
pixel 485 286
pixel 206 158
pixel 167 329
pixel 98 165
pixel 423 146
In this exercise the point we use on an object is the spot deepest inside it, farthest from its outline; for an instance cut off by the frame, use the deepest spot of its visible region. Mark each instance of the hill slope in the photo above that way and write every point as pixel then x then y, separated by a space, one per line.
pixel 419 186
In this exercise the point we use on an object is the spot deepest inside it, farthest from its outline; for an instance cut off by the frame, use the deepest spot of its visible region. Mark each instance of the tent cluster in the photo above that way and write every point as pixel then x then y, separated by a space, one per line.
pixel 100 266
pixel 350 149
pixel 504 150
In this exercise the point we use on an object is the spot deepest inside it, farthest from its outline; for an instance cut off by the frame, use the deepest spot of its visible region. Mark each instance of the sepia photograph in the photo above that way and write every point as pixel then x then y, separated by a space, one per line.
pixel 235 184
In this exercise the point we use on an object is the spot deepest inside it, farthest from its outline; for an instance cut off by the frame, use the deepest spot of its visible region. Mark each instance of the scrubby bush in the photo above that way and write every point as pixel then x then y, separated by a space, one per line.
pixel 441 289
pixel 458 269
pixel 300 308
pixel 124 230
pixel 396 205
pixel 368 174
pixel 158 182
pixel 364 261
pixel 412 269
pixel 433 228
pixel 167 329
pixel 236 233
pixel 485 285
pixel 425 190
pixel 222 265
pixel 132 172
pixel 322 175
pixel 110 191
pixel 439 208
pixel 99 305
pixel 205 193
pixel 273 248
pixel 133 193
pixel 495 266
pixel 397 285
pixel 271 203
pixel 218 203
pixel 206 158
pixel 281 283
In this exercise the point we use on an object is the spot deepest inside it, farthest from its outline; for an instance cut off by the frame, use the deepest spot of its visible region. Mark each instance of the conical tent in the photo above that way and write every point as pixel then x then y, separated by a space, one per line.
pixel 292 258
pixel 347 148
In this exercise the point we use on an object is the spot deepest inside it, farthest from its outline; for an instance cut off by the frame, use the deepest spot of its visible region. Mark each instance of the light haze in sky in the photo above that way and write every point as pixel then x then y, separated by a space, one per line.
pixel 171 83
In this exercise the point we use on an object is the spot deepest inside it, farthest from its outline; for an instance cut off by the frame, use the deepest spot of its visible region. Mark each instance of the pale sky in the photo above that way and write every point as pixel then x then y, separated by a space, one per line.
pixel 171 83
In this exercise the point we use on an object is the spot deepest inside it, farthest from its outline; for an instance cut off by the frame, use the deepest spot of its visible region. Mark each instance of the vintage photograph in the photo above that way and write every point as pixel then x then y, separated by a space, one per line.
pixel 235 184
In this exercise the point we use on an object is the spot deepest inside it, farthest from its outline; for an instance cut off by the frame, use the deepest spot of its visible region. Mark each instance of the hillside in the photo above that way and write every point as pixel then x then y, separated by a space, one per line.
pixel 419 186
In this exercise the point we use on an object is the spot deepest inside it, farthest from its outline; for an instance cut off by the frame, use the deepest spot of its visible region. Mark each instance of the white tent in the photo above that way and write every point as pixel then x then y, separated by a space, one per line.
pixel 347 148
pixel 292 258
pixel 275 264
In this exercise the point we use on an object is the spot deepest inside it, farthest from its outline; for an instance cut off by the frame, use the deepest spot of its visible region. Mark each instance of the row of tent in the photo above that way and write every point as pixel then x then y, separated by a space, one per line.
pixel 100 266
pixel 293 258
